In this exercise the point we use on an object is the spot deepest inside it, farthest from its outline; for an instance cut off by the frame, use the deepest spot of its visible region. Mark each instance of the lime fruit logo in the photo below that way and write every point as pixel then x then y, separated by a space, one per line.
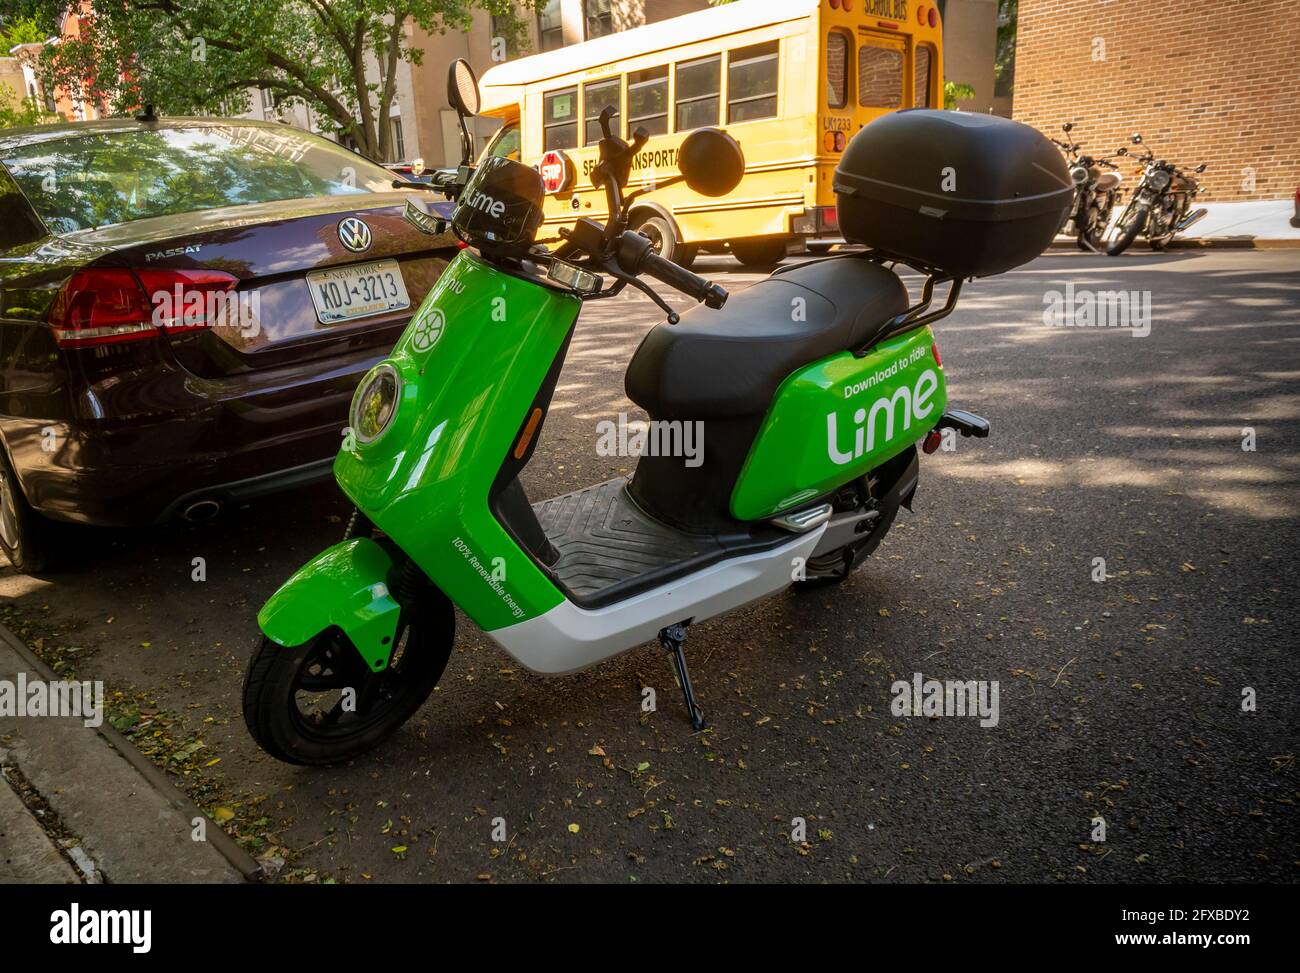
pixel 428 329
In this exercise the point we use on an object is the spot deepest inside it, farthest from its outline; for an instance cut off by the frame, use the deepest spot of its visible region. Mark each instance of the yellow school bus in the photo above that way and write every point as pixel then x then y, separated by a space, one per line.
pixel 791 80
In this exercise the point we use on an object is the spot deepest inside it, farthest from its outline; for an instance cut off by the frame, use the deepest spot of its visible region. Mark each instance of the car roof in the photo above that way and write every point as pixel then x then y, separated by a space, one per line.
pixel 35 134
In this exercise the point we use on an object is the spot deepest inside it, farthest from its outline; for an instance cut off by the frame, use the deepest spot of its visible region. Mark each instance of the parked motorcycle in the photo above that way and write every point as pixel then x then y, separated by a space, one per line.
pixel 1095 194
pixel 814 388
pixel 1161 204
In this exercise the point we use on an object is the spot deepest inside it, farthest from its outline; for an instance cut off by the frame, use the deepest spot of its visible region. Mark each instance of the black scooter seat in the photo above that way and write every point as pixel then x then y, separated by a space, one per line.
pixel 716 364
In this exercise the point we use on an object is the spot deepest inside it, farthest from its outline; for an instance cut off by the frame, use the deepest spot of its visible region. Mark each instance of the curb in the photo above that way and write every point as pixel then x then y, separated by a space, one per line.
pixel 171 796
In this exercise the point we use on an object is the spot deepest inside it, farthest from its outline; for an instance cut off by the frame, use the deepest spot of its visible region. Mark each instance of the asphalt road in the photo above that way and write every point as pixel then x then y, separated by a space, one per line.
pixel 1119 699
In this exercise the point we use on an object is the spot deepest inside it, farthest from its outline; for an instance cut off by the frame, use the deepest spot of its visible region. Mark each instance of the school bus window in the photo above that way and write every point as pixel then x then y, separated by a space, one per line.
pixel 505 143
pixel 560 119
pixel 596 97
pixel 751 83
pixel 697 92
pixel 837 69
pixel 880 77
pixel 647 101
pixel 921 93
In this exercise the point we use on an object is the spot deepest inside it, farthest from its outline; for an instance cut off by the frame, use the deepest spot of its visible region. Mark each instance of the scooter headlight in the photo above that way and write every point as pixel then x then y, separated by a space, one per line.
pixel 375 403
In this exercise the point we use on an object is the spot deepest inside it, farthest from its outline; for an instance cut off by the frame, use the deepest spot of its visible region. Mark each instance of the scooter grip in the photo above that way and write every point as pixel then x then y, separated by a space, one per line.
pixel 683 280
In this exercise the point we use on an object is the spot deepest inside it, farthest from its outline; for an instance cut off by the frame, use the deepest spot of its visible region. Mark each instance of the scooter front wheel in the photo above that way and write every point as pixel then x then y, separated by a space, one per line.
pixel 318 704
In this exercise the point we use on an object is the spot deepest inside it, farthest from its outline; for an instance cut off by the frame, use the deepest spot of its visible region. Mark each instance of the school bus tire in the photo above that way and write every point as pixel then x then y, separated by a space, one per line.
pixel 662 234
pixel 759 252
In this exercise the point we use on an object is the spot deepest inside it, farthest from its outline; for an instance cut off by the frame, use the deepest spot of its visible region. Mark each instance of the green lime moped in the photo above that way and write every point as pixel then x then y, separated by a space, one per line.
pixel 812 388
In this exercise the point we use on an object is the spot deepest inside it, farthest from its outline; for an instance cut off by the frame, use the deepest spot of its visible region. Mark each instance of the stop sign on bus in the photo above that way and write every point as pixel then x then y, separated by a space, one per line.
pixel 556 170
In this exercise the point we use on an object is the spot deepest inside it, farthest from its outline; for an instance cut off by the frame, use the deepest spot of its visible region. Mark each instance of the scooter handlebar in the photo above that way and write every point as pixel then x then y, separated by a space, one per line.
pixel 636 256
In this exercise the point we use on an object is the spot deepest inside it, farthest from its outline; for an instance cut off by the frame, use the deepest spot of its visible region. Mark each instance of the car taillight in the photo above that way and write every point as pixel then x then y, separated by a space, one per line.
pixel 107 305
pixel 828 217
pixel 101 306
pixel 187 300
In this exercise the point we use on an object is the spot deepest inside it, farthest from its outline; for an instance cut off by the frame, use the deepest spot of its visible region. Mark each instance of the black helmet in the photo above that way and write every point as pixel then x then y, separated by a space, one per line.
pixel 501 207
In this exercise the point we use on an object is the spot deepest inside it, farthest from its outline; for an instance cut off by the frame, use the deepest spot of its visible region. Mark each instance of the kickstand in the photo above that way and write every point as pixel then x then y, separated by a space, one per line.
pixel 672 639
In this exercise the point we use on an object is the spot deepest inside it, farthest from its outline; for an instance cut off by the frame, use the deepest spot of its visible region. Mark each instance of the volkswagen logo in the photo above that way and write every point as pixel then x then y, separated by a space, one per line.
pixel 354 234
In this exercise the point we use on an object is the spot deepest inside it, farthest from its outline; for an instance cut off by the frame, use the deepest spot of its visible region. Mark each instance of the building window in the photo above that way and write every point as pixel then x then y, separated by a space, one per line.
pixel 506 29
pixel 399 146
pixel 550 26
pixel 697 92
pixel 596 97
pixel 560 119
pixel 647 101
pixel 751 83
pixel 880 77
pixel 837 69
pixel 921 93
pixel 599 19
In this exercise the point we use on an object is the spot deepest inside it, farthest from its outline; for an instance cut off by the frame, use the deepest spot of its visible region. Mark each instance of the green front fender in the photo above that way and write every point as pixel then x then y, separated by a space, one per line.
pixel 345 585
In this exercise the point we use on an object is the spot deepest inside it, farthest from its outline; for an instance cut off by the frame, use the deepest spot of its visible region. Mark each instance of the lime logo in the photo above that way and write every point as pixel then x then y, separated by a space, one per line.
pixel 427 330
pixel 899 411
pixel 484 203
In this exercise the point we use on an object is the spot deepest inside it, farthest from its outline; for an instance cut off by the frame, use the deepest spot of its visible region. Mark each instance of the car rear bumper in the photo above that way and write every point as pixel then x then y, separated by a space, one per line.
pixel 237 439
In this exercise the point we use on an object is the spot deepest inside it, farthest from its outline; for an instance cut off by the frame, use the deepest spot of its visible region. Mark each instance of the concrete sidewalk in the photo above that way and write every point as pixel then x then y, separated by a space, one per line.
pixel 80 803
pixel 1258 221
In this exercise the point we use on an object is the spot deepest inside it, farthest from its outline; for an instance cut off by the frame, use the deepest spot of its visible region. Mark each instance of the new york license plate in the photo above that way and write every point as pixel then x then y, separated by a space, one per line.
pixel 347 293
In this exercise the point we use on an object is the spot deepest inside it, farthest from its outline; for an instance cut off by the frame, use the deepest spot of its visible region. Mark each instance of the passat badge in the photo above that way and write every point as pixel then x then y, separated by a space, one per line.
pixel 354 234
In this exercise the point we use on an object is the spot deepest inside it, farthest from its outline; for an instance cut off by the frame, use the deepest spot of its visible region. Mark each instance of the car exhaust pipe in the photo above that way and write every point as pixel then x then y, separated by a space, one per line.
pixel 201 510
pixel 1194 216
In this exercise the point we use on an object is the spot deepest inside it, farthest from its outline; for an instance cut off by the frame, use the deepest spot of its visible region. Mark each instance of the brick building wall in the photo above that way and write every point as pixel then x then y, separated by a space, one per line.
pixel 1213 81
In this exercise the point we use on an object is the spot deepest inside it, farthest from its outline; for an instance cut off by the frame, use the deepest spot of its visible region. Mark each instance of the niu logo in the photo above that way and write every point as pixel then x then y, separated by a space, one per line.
pixel 354 234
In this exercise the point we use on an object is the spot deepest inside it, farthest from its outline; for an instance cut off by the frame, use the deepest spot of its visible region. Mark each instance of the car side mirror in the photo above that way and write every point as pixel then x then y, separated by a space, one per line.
pixel 711 162
pixel 463 95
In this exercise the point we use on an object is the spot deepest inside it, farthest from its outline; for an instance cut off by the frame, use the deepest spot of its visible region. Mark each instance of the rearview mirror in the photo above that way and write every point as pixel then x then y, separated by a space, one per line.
pixel 711 162
pixel 1201 167
pixel 462 88
pixel 1068 126
pixel 462 95
pixel 1122 150
pixel 1137 138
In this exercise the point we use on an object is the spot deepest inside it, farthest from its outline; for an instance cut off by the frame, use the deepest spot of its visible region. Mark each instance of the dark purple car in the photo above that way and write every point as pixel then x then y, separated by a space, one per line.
pixel 186 306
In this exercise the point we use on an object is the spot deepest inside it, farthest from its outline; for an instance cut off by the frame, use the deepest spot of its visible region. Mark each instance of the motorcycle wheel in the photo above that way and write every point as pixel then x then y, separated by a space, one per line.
pixel 1129 226
pixel 294 697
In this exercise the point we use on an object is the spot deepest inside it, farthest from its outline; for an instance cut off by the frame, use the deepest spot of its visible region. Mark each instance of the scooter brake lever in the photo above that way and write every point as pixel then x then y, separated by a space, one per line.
pixel 614 271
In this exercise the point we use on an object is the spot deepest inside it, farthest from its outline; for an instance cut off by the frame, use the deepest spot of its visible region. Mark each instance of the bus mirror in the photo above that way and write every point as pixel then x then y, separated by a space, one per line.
pixel 462 88
pixel 711 162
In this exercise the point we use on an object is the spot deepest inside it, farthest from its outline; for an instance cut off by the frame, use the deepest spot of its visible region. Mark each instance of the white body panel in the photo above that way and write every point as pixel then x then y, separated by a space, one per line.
pixel 568 637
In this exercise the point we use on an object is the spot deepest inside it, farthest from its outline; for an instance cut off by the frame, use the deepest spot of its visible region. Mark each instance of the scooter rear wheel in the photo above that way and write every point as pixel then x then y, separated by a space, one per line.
pixel 318 703
pixel 834 567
